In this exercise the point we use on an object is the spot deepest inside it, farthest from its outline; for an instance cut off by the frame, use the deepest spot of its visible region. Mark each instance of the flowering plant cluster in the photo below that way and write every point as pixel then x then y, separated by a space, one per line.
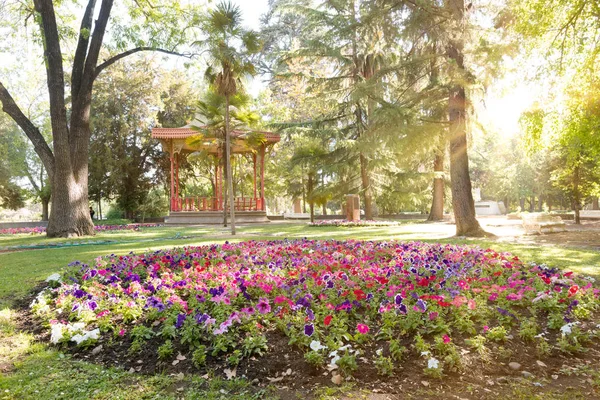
pixel 19 231
pixel 331 298
pixel 345 223
pixel 98 228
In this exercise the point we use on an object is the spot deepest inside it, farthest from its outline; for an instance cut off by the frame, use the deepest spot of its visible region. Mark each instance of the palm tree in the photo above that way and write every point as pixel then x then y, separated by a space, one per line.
pixel 229 48
pixel 210 123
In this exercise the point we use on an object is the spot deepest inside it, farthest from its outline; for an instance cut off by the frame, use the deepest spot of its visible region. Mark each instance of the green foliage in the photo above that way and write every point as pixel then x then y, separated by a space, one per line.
pixel 254 345
pixel 347 364
pixel 199 356
pixel 314 358
pixel 166 350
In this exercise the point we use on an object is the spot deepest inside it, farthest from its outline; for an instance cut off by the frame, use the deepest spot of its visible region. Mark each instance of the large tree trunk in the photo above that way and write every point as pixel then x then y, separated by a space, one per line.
pixel 437 204
pixel 229 174
pixel 462 197
pixel 595 205
pixel 366 186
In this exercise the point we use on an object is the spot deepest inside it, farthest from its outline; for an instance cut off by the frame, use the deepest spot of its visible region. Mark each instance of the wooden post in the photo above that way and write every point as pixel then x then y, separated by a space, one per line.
pixel 177 176
pixel 254 167
pixel 262 178
pixel 172 208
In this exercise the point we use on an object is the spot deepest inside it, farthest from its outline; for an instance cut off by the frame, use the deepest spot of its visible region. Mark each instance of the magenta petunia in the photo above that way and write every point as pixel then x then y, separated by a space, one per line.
pixel 362 328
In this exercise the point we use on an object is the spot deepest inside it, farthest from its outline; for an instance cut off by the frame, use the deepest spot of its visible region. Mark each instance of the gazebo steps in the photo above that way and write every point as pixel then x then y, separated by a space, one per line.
pixel 214 217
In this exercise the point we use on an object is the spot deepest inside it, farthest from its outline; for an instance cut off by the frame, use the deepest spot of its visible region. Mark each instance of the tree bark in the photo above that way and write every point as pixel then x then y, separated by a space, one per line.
pixel 576 195
pixel 462 197
pixel 229 174
pixel 366 186
pixel 45 209
pixel 311 202
pixel 437 204
pixel 595 205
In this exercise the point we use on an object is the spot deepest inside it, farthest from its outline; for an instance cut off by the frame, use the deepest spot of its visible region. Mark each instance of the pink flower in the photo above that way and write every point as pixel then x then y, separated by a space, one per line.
pixel 471 304
pixel 446 339
pixel 122 332
pixel 486 328
pixel 433 315
pixel 362 328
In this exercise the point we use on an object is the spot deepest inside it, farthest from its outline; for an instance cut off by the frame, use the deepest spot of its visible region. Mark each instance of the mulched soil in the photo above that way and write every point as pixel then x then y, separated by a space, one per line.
pixel 283 367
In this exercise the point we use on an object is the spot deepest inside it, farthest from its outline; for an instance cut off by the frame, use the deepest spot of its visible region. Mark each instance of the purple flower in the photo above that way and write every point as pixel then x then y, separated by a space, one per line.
pixel 398 299
pixel 309 329
pixel 402 308
pixel 79 293
pixel 155 302
pixel 92 305
pixel 310 314
pixel 421 305
pixel 263 305
pixel 200 318
pixel 180 320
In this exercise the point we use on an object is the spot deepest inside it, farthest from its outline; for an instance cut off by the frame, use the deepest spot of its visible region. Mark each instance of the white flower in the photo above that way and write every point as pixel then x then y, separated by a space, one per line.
pixel 334 361
pixel 379 352
pixel 433 363
pixel 94 334
pixel 425 353
pixel 315 345
pixel 566 329
pixel 56 333
pixel 53 278
pixel 77 326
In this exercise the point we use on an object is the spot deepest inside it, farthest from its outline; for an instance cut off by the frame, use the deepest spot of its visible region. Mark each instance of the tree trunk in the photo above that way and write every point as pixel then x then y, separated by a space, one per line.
pixel 522 204
pixel 532 204
pixel 540 204
pixel 45 202
pixel 576 195
pixel 311 202
pixel 595 205
pixel 229 174
pixel 366 186
pixel 324 208
pixel 462 197
pixel 437 204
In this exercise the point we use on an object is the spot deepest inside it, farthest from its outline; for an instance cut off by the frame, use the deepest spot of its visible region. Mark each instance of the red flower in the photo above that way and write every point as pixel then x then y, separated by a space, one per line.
pixel 327 320
pixel 423 282
pixel 360 295
pixel 573 290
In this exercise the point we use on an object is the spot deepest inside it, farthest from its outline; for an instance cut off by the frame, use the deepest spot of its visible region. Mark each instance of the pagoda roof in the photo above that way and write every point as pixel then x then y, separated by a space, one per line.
pixel 179 136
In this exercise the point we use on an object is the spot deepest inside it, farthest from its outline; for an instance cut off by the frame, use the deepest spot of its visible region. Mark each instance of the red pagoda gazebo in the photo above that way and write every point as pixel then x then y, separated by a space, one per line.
pixel 209 210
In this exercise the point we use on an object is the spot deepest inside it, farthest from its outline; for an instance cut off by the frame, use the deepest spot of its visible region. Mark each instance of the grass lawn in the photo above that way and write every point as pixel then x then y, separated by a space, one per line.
pixel 42 372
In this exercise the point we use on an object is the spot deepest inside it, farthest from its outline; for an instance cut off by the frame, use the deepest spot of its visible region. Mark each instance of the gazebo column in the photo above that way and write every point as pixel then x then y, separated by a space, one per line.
pixel 172 202
pixel 177 181
pixel 254 167
pixel 262 178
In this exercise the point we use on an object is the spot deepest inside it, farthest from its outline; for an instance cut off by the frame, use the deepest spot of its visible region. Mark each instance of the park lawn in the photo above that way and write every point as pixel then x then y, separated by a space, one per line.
pixel 41 369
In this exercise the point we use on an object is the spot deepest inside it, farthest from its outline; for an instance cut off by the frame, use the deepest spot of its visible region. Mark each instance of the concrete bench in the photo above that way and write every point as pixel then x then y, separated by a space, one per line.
pixel 542 223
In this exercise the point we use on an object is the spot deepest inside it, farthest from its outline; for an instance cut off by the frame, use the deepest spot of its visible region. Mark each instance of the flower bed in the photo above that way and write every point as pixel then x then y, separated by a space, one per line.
pixel 350 224
pixel 98 228
pixel 342 303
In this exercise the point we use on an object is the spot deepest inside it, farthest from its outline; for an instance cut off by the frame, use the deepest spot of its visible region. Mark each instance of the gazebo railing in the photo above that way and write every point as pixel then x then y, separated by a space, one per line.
pixel 195 204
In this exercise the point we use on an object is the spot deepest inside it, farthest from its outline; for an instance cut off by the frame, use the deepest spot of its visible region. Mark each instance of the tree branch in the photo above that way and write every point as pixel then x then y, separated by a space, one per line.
pixel 39 144
pixel 54 71
pixel 116 58
pixel 89 72
pixel 85 32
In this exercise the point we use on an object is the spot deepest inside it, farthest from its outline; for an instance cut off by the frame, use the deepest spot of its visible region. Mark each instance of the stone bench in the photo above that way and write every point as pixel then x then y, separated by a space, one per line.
pixel 542 223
